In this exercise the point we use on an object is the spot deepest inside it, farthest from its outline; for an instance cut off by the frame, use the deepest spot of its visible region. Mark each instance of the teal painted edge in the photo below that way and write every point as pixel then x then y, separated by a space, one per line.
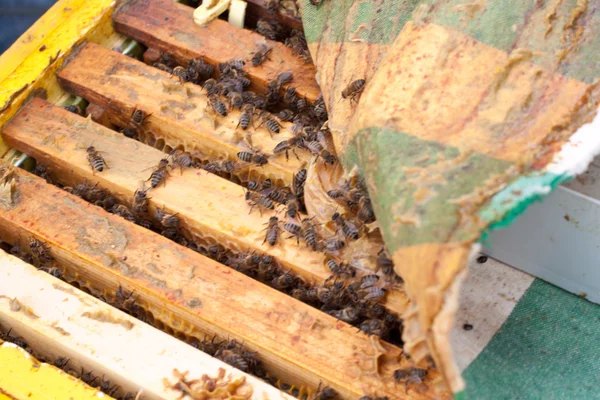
pixel 460 395
pixel 507 205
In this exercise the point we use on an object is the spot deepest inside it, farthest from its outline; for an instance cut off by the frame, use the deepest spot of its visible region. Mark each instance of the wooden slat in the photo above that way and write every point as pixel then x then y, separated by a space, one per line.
pixel 209 206
pixel 22 377
pixel 97 337
pixel 179 114
pixel 168 26
pixel 195 295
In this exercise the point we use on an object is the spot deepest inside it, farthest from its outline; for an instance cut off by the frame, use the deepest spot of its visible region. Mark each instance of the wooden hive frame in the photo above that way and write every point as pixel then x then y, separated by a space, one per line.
pixel 298 344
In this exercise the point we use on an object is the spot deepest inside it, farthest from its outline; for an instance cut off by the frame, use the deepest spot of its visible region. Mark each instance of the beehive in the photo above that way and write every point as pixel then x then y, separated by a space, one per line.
pixel 103 54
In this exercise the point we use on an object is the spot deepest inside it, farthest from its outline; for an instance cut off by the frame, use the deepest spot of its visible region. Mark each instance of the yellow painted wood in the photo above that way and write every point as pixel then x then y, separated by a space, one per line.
pixel 32 61
pixel 23 377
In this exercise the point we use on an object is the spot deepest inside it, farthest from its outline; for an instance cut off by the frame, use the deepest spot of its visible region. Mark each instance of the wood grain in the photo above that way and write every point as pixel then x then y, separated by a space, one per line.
pixel 73 324
pixel 168 26
pixel 194 295
pixel 179 114
pixel 210 207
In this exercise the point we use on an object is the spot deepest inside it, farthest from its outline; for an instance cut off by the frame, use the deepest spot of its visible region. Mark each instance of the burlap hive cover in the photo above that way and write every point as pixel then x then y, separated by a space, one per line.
pixel 467 111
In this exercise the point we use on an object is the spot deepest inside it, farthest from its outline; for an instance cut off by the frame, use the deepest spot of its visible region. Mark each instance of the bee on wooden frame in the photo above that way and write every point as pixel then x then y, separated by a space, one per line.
pixel 160 174
pixel 95 159
pixel 353 89
pixel 261 55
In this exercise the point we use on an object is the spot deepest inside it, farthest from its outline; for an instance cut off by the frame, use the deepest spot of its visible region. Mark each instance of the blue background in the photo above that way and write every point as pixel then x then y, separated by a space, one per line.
pixel 18 15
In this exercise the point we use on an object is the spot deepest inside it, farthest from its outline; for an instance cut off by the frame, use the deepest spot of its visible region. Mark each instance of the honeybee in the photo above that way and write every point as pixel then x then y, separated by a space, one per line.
pixel 374 326
pixel 140 201
pixel 284 78
pixel 368 280
pixel 235 100
pixel 271 124
pixel 237 64
pixel 273 230
pixel 209 86
pixel 205 71
pixel 373 292
pixel 292 206
pixel 182 159
pixel 253 157
pixel 225 166
pixel 257 199
pixel 365 211
pixel 160 173
pixel 96 160
pixel 319 108
pixel 232 359
pixel 326 393
pixel 246 116
pixel 410 375
pixel 310 233
pixel 261 55
pixel 167 220
pixel 294 229
pixel 283 281
pixel 75 109
pixel 286 115
pixel 267 29
pixel 39 251
pixel 317 148
pixel 340 269
pixel 181 74
pixel 353 89
pixel 290 144
pixel 333 245
pixel 217 105
pixel 298 182
pixel 384 263
pixel 348 314
pixel 348 228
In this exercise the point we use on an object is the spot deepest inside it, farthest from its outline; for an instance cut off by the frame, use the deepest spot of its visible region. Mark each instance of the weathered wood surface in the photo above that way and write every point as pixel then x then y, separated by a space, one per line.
pixel 257 9
pixel 300 343
pixel 58 320
pixel 168 26
pixel 210 207
pixel 179 114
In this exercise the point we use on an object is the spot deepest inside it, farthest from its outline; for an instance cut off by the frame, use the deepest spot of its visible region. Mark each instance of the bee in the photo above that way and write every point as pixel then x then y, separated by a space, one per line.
pixel 301 104
pixel 319 108
pixel 75 109
pixel 123 211
pixel 61 362
pixel 235 100
pixel 236 64
pixel 167 220
pixel 95 159
pixel 348 314
pixel 353 89
pixel 368 280
pixel 373 327
pixel 384 263
pixel 140 201
pixel 267 29
pixel 340 269
pixel 209 86
pixel 349 229
pixel 292 205
pixel 253 157
pixel 326 393
pixel 316 2
pixel 294 229
pixel 192 74
pixel 163 67
pixel 232 359
pixel 181 73
pixel 365 210
pixel 273 230
pixel 217 105
pixel 40 251
pixel 246 116
pixel 298 182
pixel 160 173
pixel 333 245
pixel 284 78
pixel 54 271
pixel 280 195
pixel 283 281
pixel 290 97
pixel 310 233
pixel 271 124
pixel 336 193
pixel 225 166
pixel 182 159
pixel 256 186
pixel 317 148
pixel 261 55
pixel 257 199
pixel 373 292
pixel 286 115
pixel 287 145
pixel 410 375
pixel 205 71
